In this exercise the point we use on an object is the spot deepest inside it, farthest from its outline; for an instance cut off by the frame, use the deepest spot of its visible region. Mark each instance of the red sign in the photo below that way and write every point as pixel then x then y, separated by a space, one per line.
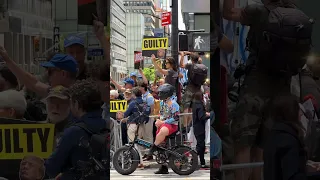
pixel 166 19
pixel 138 56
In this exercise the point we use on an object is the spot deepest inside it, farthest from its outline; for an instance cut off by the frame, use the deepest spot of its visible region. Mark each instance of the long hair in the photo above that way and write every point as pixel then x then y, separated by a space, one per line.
pixel 173 63
pixel 286 109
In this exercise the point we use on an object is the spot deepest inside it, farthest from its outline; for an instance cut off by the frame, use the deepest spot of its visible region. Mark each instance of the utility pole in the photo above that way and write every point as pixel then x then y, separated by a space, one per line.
pixel 174 38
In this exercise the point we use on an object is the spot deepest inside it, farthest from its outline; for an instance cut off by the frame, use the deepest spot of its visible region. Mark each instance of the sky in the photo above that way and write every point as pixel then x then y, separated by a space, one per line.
pixel 180 19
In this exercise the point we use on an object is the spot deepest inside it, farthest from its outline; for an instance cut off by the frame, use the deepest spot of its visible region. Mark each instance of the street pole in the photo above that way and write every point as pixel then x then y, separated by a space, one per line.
pixel 174 39
pixel 165 51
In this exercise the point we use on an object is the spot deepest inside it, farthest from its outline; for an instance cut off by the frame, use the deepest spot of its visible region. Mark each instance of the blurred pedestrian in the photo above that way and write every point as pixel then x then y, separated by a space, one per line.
pixel 200 117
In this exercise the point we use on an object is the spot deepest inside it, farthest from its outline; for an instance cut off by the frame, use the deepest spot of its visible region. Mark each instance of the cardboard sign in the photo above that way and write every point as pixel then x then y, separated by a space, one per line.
pixel 154 43
pixel 166 19
pixel 19 140
pixel 138 60
pixel 116 106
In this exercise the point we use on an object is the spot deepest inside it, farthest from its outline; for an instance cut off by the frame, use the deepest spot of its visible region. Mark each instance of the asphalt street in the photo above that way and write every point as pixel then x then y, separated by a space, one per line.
pixel 148 174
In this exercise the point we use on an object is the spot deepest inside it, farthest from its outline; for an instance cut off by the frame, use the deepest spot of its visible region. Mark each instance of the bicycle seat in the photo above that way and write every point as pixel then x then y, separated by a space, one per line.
pixel 173 135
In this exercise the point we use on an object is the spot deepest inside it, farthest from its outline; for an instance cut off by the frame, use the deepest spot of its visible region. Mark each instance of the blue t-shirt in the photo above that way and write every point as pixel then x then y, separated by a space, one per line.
pixel 169 114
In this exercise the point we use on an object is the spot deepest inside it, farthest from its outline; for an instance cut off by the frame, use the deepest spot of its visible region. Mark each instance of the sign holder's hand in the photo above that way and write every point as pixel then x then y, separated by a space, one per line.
pixel 153 57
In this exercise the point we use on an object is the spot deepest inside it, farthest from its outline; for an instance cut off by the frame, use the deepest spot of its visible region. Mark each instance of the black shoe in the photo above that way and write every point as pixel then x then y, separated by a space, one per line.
pixel 144 156
pixel 152 150
pixel 162 170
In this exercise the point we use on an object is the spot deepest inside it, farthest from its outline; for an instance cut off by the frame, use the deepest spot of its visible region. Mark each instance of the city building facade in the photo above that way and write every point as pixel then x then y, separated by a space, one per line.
pixel 118 40
pixel 26 30
pixel 145 7
pixel 135 32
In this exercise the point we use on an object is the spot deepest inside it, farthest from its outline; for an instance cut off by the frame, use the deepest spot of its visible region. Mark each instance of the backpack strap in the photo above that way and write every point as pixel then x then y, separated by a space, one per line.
pixel 83 126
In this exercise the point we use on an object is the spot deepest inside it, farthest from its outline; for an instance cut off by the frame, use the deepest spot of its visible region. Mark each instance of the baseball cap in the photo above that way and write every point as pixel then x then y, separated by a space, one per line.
pixel 133 74
pixel 129 81
pixel 13 99
pixel 58 92
pixel 73 39
pixel 62 61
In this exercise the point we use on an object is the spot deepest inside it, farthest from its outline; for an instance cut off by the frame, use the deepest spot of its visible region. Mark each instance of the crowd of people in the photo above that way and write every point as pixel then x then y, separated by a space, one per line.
pixel 161 96
pixel 71 95
pixel 267 112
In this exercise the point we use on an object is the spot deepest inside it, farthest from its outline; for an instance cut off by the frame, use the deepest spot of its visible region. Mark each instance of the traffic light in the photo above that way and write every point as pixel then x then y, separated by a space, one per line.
pixel 183 42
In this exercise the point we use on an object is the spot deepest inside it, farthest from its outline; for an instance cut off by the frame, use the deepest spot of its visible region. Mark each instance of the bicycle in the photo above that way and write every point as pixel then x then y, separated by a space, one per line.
pixel 175 156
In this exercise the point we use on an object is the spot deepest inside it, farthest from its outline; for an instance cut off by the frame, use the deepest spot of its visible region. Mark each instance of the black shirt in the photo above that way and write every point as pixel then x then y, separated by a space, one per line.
pixel 284 155
pixel 172 77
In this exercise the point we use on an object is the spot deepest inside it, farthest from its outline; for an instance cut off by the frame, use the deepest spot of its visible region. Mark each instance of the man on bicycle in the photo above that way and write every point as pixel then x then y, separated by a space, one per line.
pixel 169 119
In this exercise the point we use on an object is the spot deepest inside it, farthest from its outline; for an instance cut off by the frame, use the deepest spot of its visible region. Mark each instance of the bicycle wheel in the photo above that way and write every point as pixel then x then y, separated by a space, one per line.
pixel 177 163
pixel 126 157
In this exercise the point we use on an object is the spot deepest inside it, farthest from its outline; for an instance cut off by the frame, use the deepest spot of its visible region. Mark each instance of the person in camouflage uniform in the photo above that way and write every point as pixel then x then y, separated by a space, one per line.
pixel 249 123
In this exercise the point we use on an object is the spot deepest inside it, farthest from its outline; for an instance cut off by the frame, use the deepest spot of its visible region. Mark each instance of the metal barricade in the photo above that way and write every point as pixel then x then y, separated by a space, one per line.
pixel 228 170
pixel 115 138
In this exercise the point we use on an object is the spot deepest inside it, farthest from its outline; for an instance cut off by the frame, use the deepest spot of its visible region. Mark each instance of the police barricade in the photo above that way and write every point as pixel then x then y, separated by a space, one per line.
pixel 115 138
pixel 21 138
pixel 228 170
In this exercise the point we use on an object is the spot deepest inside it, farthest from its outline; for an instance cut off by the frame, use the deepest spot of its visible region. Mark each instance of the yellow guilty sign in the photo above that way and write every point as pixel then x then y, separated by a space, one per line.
pixel 155 43
pixel 116 106
pixel 20 140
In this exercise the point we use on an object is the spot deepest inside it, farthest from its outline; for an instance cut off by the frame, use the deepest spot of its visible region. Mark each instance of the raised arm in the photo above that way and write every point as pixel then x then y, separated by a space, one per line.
pixel 119 87
pixel 145 80
pixel 24 77
pixel 103 39
pixel 157 67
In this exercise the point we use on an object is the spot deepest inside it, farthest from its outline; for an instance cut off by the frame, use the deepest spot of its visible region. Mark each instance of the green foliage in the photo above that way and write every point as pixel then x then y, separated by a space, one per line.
pixel 149 73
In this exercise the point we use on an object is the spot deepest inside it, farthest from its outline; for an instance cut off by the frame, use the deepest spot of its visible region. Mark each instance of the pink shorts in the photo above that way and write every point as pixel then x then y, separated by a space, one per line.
pixel 172 128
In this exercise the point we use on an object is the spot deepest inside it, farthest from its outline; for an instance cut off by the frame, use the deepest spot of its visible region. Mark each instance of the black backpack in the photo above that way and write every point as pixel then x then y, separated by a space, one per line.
pixel 99 144
pixel 286 40
pixel 142 114
pixel 36 111
pixel 199 74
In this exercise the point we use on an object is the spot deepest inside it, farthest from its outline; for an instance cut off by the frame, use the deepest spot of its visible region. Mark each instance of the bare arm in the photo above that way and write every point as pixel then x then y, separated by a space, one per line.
pixel 181 60
pixel 157 67
pixel 24 77
pixel 119 87
pixel 145 80
pixel 104 41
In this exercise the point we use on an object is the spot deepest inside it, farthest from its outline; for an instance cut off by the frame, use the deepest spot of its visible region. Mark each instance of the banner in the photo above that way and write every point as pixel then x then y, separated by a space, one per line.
pixel 116 106
pixel 19 140
pixel 154 43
